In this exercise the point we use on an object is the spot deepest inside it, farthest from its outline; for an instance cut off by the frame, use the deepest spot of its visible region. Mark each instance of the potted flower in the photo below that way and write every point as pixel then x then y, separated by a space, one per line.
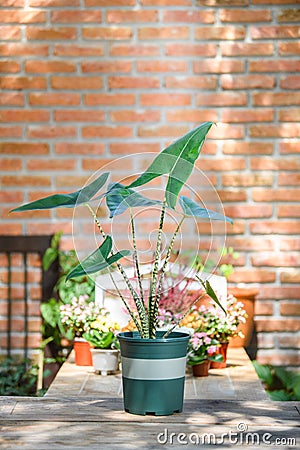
pixel 202 349
pixel 77 316
pixel 101 334
pixel 223 327
pixel 153 362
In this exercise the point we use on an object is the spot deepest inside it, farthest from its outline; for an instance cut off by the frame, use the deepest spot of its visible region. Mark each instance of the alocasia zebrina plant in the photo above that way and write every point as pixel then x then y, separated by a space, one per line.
pixel 177 163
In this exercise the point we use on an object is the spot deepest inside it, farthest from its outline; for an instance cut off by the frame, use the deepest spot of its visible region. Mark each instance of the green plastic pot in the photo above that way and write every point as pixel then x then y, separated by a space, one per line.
pixel 153 372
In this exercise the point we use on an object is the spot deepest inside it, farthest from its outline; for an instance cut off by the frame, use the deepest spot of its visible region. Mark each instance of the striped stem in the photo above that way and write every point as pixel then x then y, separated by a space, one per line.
pixel 136 259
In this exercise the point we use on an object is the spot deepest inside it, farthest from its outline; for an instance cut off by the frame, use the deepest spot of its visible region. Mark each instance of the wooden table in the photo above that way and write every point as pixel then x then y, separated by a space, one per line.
pixel 83 410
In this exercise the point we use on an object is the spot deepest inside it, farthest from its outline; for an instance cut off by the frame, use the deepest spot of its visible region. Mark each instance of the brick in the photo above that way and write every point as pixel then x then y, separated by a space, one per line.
pixel 71 148
pixel 277 325
pixel 279 359
pixel 12 98
pixel 10 33
pixel 133 82
pixel 107 33
pixel 165 99
pixel 207 16
pixel 221 99
pixel 289 48
pixel 53 164
pixel 191 82
pixel 289 147
pixel 289 244
pixel 9 132
pixel 223 164
pixel 76 83
pixel 51 99
pixel 274 32
pixel 242 15
pixel 290 276
pixel 10 16
pixel 49 66
pixel 23 148
pixel 246 275
pixel 290 82
pixel 134 16
pixel 289 115
pixel 75 115
pixel 106 66
pixel 20 49
pixel 107 131
pixel 225 131
pixel 218 66
pixel 34 228
pixel 282 227
pixel 22 115
pixel 278 293
pixel 218 229
pixel 288 211
pixel 129 148
pixel 248 211
pixel 26 180
pixel 51 34
pixel 288 15
pixel 277 65
pixel 161 131
pixel 134 50
pixel 14 3
pixel 109 99
pixel 247 49
pixel 222 2
pixel 10 229
pixel 275 195
pixel 246 148
pixel 191 115
pixel 220 33
pixel 9 66
pixel 247 82
pixel 244 115
pixel 109 2
pixel 247 179
pixel 232 195
pixel 190 50
pixel 276 260
pixel 78 50
pixel 53 3
pixel 51 132
pixel 274 164
pixel 122 165
pixel 75 16
pixel 251 244
pixel 11 164
pixel 161 66
pixel 175 32
pixel 289 341
pixel 265 340
pixel 135 116
pixel 166 2
pixel 276 98
pixel 289 179
pixel 13 82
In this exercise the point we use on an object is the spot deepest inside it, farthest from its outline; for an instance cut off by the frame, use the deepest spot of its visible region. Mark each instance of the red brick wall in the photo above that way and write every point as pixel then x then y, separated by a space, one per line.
pixel 86 81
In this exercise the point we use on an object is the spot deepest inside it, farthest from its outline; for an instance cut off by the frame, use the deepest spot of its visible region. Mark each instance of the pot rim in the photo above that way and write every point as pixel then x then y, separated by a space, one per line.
pixel 133 336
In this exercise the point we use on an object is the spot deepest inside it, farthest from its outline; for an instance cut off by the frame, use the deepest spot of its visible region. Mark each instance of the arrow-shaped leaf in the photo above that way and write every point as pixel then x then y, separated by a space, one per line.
pixel 209 290
pixel 191 208
pixel 66 200
pixel 120 197
pixel 177 161
pixel 98 260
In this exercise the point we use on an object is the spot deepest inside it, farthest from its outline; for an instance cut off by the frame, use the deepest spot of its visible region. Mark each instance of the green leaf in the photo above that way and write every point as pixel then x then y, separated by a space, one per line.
pixel 98 260
pixel 120 197
pixel 288 378
pixel 279 395
pixel 177 161
pixel 209 290
pixel 190 208
pixel 66 200
pixel 264 372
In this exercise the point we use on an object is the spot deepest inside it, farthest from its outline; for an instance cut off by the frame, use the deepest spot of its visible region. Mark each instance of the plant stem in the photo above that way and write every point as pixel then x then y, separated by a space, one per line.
pixel 139 305
pixel 135 258
pixel 154 276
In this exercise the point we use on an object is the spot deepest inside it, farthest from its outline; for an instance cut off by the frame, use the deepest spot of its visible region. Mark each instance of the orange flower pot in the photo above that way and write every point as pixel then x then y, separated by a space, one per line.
pixel 83 355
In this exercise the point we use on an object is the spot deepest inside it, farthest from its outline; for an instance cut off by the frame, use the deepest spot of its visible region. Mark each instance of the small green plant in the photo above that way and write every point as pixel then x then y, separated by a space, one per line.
pixel 280 384
pixel 18 377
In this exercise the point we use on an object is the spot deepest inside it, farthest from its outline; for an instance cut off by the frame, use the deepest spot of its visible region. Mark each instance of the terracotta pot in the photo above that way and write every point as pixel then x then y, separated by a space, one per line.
pixel 201 370
pixel 247 297
pixel 223 351
pixel 83 355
